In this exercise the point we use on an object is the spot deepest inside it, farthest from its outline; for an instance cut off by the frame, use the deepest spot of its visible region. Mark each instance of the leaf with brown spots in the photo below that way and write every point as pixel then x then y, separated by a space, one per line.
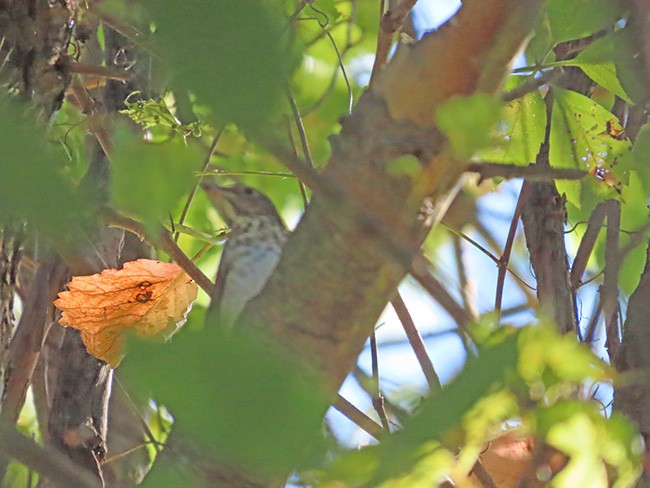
pixel 147 297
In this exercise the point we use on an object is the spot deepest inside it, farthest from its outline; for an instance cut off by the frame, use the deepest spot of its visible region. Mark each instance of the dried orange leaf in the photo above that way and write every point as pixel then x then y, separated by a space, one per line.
pixel 146 297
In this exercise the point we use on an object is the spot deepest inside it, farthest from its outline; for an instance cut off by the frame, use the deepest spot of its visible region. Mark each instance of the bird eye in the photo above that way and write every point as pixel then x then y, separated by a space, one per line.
pixel 248 191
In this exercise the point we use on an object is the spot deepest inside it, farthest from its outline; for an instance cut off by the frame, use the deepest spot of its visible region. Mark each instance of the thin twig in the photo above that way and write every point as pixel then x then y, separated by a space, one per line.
pixel 8 56
pixel 165 242
pixel 294 148
pixel 226 172
pixel 99 71
pixel 134 410
pixel 299 8
pixel 211 239
pixel 636 238
pixel 593 323
pixel 206 165
pixel 93 116
pixel 297 119
pixel 531 85
pixel 416 342
pixel 609 290
pixel 401 342
pixel 390 23
pixel 462 277
pixel 358 417
pixel 587 244
pixel 348 45
pixel 532 172
pixel 525 288
pixel 420 271
pixel 384 40
pixel 25 345
pixel 482 475
pixel 507 250
pixel 339 56
pixel 364 381
pixel 377 397
pixel 304 142
pixel 123 28
pixel 485 251
pixel 50 462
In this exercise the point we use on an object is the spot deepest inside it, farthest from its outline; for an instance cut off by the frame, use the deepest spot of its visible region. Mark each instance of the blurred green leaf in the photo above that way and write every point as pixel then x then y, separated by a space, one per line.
pixel 520 133
pixel 327 7
pixel 638 160
pixel 19 476
pixel 233 55
pixel 555 365
pixel 634 216
pixel 431 469
pixel 539 49
pixel 149 179
pixel 594 443
pixel 468 122
pixel 34 186
pixel 599 61
pixel 580 18
pixel 238 398
pixel 171 475
pixel 69 130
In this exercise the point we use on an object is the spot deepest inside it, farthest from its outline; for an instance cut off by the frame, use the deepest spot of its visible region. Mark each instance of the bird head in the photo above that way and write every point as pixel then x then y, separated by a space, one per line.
pixel 239 202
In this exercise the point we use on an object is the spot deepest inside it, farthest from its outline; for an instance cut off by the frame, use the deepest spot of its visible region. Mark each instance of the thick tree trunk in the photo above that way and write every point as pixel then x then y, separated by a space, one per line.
pixel 359 234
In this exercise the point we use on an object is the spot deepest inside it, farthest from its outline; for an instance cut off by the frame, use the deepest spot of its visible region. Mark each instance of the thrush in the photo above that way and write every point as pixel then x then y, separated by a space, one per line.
pixel 251 252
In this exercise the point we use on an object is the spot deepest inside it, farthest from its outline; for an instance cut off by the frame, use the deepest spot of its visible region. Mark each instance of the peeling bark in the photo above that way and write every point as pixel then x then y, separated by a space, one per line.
pixel 543 216
pixel 9 260
pixel 36 35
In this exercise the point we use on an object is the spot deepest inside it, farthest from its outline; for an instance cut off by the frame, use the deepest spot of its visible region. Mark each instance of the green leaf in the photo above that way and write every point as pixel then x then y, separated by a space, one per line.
pixel 520 133
pixel 330 10
pixel 157 118
pixel 233 55
pixel 468 122
pixel 234 396
pixel 149 179
pixel 34 186
pixel 539 49
pixel 634 216
pixel 612 62
pixel 580 138
pixel 579 133
pixel 580 18
pixel 554 364
pixel 605 75
pixel 638 160
pixel 20 476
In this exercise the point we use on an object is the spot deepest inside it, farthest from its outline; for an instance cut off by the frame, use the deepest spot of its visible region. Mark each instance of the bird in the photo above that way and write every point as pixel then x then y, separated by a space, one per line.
pixel 251 251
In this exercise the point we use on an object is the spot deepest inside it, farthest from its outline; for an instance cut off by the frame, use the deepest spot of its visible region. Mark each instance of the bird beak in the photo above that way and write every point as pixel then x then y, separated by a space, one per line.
pixel 220 196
